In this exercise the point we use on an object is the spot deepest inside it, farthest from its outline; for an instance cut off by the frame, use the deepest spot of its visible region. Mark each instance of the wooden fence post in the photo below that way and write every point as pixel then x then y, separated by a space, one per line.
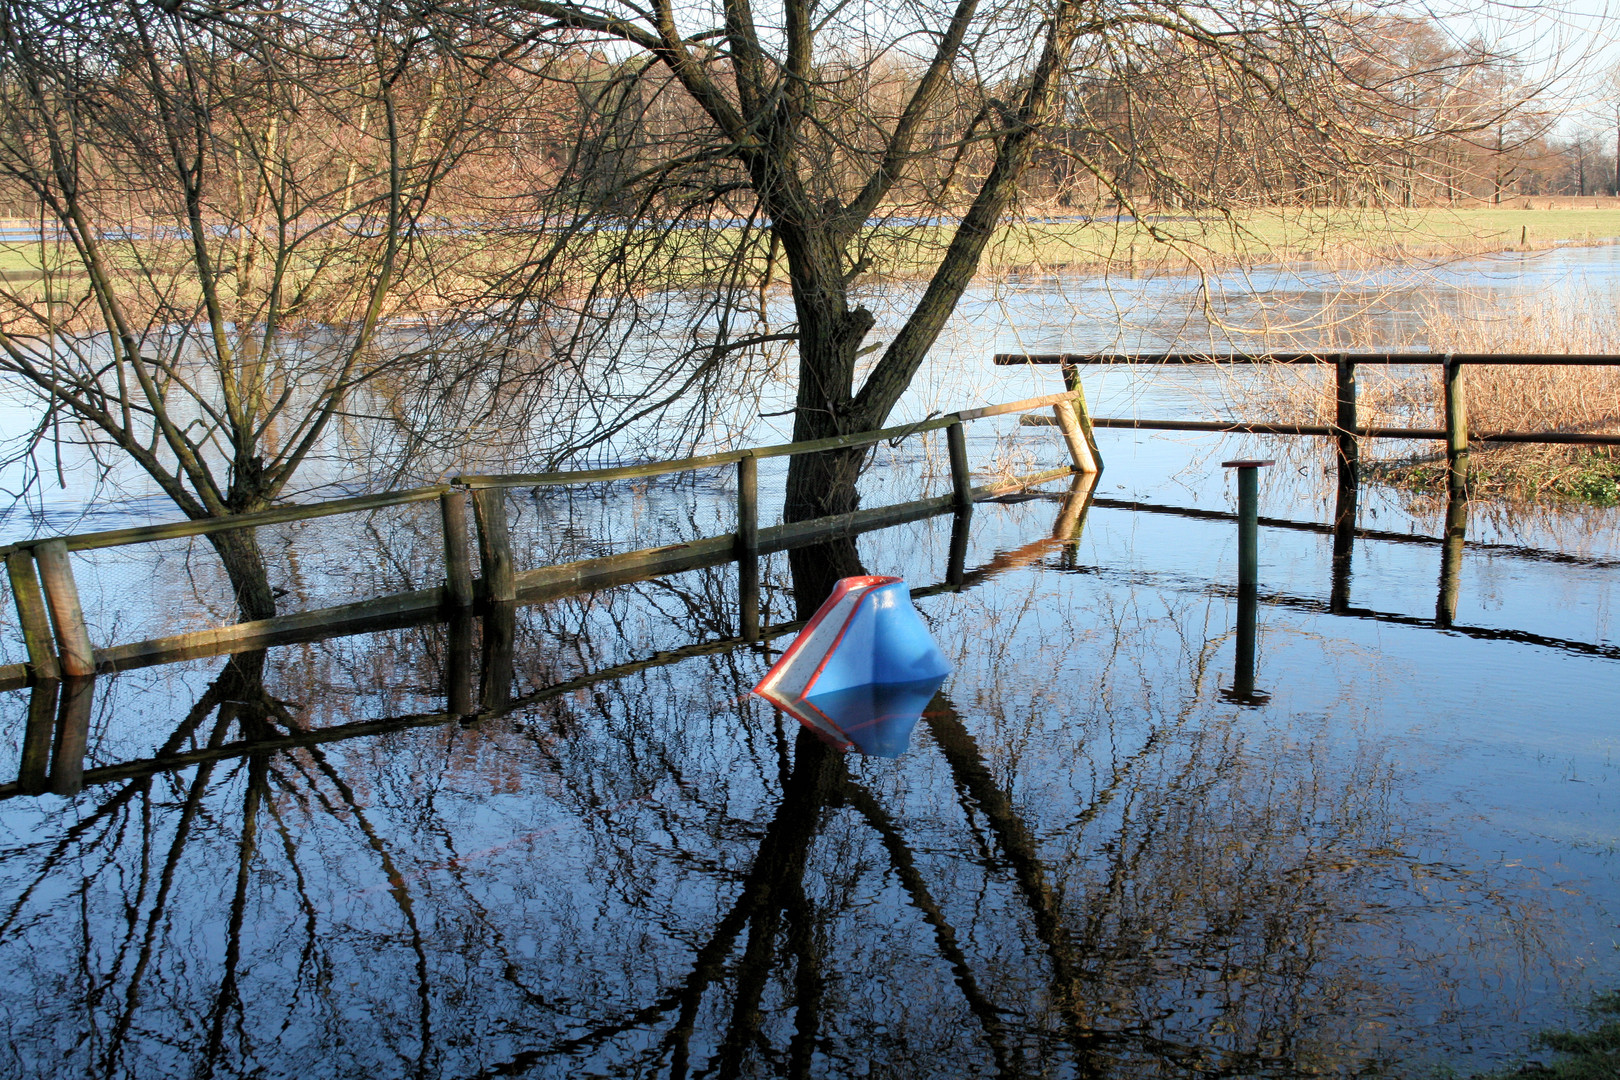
pixel 1344 419
pixel 748 544
pixel 1079 448
pixel 961 478
pixel 36 624
pixel 458 579
pixel 956 567
pixel 33 771
pixel 497 670
pixel 1456 426
pixel 1451 553
pixel 458 664
pixel 1082 414
pixel 62 597
pixel 72 736
pixel 494 544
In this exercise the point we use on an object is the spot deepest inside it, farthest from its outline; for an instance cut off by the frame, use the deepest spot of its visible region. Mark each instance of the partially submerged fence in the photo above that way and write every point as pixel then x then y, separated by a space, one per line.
pixel 59 643
pixel 1346 426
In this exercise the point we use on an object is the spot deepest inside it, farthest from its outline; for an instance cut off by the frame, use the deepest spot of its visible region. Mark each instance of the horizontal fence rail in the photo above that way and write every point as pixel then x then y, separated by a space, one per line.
pixel 58 643
pixel 1383 358
pixel 1346 429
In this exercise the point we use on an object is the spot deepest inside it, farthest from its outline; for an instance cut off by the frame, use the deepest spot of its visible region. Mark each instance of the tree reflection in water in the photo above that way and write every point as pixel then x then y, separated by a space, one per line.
pixel 1079 869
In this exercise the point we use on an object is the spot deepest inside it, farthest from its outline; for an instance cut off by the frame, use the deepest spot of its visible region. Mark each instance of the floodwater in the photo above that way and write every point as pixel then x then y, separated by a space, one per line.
pixel 1092 855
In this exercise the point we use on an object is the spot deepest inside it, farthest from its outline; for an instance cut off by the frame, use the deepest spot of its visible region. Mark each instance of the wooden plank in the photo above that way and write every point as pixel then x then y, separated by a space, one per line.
pixel 74 652
pixel 835 442
pixel 532 586
pixel 263 633
pixel 1015 406
pixel 141 534
pixel 31 614
pixel 961 475
pixel 458 577
pixel 494 545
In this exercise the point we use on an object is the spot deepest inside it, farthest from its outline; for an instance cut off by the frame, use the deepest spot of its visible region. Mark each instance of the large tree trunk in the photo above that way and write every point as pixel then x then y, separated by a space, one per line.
pixel 239 551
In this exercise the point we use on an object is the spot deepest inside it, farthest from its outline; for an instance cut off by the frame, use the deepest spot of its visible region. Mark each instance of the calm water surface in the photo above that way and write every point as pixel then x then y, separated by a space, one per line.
pixel 1092 859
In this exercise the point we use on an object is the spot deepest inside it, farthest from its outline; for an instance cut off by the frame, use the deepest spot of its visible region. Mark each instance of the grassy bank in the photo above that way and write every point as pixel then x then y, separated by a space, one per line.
pixel 1059 239
pixel 1589 1054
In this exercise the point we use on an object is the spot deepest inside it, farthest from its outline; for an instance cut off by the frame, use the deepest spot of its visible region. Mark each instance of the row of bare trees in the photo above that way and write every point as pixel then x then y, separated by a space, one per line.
pixel 380 235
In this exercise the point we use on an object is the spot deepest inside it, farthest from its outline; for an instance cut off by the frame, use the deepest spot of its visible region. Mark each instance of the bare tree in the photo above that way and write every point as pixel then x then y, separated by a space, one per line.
pixel 232 207
pixel 856 140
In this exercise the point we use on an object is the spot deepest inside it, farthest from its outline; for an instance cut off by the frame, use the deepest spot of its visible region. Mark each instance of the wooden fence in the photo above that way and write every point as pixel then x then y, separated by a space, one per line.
pixel 58 640
pixel 1346 426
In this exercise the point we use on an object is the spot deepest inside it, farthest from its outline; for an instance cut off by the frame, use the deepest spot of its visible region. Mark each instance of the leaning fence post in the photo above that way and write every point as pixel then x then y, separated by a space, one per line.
pixel 1082 414
pixel 961 478
pixel 494 544
pixel 748 544
pixel 36 624
pixel 62 597
pixel 1079 449
pixel 1456 425
pixel 458 581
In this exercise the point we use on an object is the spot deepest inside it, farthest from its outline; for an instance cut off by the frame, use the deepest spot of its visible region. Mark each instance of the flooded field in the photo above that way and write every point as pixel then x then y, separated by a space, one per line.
pixel 1089 857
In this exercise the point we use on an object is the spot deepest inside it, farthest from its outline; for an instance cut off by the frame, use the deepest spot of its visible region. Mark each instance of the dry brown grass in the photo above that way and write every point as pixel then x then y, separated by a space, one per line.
pixel 1552 398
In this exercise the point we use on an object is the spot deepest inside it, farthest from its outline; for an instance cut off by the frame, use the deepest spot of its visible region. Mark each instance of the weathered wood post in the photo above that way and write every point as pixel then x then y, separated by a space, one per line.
pixel 1344 417
pixel 1080 452
pixel 458 664
pixel 1248 482
pixel 36 624
pixel 748 544
pixel 72 735
pixel 1082 415
pixel 67 616
pixel 1451 552
pixel 1456 426
pixel 33 771
pixel 1071 519
pixel 961 477
pixel 494 545
pixel 458 579
pixel 500 640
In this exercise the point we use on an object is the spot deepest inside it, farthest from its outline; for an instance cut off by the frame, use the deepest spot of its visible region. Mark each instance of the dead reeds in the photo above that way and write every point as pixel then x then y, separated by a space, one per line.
pixel 1500 398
